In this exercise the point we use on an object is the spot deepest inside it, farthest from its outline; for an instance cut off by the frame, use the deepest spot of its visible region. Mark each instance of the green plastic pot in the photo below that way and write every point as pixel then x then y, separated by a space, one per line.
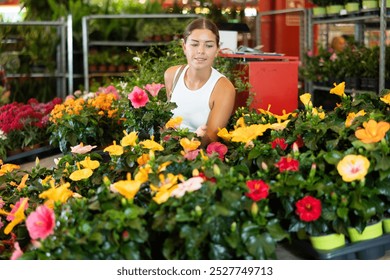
pixel 328 242
pixel 334 9
pixel 370 4
pixel 352 7
pixel 370 232
pixel 319 11
pixel 386 225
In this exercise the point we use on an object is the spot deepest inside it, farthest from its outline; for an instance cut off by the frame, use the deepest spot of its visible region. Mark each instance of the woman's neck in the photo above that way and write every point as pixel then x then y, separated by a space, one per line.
pixel 195 79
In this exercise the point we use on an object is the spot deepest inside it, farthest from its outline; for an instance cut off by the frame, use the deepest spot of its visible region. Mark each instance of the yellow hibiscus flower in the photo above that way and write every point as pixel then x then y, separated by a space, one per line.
pixel 306 100
pixel 91 164
pixel 129 139
pixel 8 167
pixel 152 145
pixel 128 188
pixel 189 145
pixel 163 191
pixel 372 132
pixel 353 167
pixel 60 194
pixel 352 116
pixel 386 98
pixel 224 134
pixel 18 216
pixel 338 89
pixel 174 122
pixel 246 134
pixel 114 149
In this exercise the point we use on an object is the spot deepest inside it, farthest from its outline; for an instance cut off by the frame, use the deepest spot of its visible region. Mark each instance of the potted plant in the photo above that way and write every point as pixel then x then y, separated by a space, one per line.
pixel 320 7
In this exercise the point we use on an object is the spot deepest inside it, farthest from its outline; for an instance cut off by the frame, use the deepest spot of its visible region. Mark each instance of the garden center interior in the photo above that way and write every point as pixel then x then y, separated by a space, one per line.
pixel 273 51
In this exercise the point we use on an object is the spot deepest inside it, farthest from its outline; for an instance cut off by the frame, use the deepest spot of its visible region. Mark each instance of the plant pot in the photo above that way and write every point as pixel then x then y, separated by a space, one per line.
pixel 31 147
pixel 386 225
pixel 319 11
pixel 334 9
pixel 370 232
pixel 14 152
pixel 352 7
pixel 370 4
pixel 328 242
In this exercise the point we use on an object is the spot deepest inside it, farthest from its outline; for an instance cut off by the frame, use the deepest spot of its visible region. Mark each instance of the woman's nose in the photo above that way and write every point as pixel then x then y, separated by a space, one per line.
pixel 201 49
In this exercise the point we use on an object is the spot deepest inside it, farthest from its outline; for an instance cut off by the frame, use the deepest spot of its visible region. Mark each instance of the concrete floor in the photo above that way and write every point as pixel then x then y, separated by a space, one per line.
pixel 284 251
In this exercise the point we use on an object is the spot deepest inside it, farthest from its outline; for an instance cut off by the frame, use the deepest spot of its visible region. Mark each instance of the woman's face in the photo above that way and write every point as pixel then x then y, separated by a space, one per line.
pixel 201 48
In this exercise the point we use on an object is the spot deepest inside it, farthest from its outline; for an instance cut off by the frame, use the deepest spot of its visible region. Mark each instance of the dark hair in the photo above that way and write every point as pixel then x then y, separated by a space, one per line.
pixel 201 23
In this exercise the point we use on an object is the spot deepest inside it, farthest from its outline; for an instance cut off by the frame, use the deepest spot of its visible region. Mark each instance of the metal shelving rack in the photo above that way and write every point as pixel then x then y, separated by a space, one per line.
pixel 303 24
pixel 360 19
pixel 64 57
pixel 87 43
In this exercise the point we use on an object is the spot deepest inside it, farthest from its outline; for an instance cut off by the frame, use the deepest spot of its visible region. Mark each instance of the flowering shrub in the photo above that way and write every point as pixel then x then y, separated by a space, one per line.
pixel 23 125
pixel 87 118
pixel 269 178
pixel 148 111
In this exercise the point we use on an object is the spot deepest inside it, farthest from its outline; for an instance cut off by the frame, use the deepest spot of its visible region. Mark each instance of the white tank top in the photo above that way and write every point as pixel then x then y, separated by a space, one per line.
pixel 193 105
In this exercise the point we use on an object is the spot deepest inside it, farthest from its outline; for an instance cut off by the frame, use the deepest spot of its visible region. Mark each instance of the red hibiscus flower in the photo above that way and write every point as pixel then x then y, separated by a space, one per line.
pixel 287 164
pixel 203 176
pixel 308 208
pixel 299 142
pixel 279 142
pixel 258 190
pixel 217 147
pixel 138 97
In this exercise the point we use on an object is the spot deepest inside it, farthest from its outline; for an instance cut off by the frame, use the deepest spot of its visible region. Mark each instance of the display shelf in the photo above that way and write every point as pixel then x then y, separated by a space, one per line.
pixel 360 19
pixel 87 43
pixel 64 56
pixel 31 155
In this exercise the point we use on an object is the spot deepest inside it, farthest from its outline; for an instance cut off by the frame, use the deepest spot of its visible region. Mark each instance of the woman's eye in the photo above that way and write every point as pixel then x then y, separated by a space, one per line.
pixel 210 46
pixel 194 45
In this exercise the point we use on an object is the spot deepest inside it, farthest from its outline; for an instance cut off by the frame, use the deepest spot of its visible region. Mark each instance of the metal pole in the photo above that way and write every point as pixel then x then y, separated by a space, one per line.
pixel 85 53
pixel 382 50
pixel 70 53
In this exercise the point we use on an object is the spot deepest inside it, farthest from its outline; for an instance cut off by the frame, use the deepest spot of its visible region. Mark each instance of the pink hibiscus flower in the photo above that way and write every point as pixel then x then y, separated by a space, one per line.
pixel 153 88
pixel 40 224
pixel 17 253
pixel 217 147
pixel 138 97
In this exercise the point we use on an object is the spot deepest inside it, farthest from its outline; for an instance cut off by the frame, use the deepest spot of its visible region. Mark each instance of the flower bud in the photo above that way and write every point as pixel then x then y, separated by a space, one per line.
pixel 295 149
pixel 216 170
pixel 106 181
pixel 333 196
pixel 344 200
pixel 264 166
pixel 233 227
pixel 151 155
pixel 198 210
pixel 254 209
pixel 123 201
pixel 195 172
pixel 125 235
pixel 313 170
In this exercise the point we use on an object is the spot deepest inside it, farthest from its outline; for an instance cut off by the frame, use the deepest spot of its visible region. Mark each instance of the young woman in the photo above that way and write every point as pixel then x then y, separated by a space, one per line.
pixel 204 97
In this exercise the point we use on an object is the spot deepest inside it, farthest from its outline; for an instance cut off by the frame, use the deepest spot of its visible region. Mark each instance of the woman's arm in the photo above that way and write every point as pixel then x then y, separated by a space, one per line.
pixel 221 103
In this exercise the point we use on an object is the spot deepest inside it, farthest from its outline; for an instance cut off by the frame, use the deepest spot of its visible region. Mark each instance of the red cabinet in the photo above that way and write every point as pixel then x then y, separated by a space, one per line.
pixel 274 81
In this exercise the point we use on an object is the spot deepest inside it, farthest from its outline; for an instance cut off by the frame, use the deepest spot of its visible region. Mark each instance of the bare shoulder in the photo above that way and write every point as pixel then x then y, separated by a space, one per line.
pixel 225 87
pixel 170 72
